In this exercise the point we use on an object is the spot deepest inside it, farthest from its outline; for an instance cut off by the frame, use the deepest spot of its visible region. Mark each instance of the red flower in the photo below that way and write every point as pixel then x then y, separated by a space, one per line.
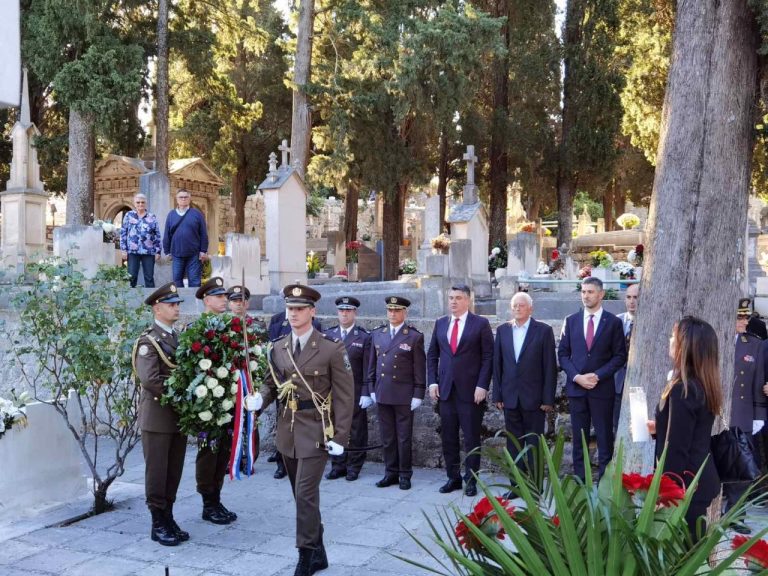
pixel 196 347
pixel 206 350
pixel 224 338
pixel 215 357
pixel 236 327
pixel 670 492
pixel 634 482
pixel 235 321
pixel 209 334
pixel 556 520
pixel 483 516
pixel 555 254
pixel 758 552
pixel 639 249
pixel 248 320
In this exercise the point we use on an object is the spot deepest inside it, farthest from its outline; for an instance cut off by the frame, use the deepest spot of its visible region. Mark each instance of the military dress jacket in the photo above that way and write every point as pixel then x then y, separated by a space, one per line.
pixel 748 402
pixel 358 346
pixel 324 365
pixel 154 357
pixel 397 370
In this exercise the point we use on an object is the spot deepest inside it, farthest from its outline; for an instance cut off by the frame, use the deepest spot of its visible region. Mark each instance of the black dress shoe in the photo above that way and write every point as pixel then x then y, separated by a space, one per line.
pixel 231 515
pixel 450 486
pixel 335 473
pixel 182 535
pixel 405 483
pixel 387 481
pixel 280 473
pixel 162 533
pixel 216 515
pixel 319 559
pixel 352 475
pixel 470 489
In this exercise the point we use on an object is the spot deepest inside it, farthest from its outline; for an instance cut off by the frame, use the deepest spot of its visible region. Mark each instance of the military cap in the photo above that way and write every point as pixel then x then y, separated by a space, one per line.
pixel 397 302
pixel 745 307
pixel 300 296
pixel 211 287
pixel 347 303
pixel 238 293
pixel 166 294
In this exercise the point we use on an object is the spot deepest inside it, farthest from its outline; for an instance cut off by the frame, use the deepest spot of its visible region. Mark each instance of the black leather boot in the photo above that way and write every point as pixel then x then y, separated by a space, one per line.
pixel 229 514
pixel 212 512
pixel 182 535
pixel 319 557
pixel 281 472
pixel 161 532
pixel 303 568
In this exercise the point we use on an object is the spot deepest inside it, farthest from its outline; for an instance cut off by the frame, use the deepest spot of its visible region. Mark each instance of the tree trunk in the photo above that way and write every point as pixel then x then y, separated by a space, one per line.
pixel 619 201
pixel 608 206
pixel 392 233
pixel 533 212
pixel 699 205
pixel 162 144
pixel 566 180
pixel 442 182
pixel 498 156
pixel 82 154
pixel 351 211
pixel 301 120
pixel 240 191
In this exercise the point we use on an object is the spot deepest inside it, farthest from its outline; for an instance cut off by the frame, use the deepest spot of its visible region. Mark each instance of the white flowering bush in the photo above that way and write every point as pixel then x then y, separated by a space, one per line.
pixel 12 411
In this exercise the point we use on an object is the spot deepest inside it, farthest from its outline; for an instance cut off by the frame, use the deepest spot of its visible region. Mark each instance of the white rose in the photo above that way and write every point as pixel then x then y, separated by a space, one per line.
pixel 221 372
pixel 225 419
pixel 257 350
pixel 107 227
pixel 204 364
pixel 205 415
pixel 201 391
pixel 253 365
pixel 496 251
pixel 227 405
pixel 235 376
pixel 211 382
pixel 218 392
pixel 233 389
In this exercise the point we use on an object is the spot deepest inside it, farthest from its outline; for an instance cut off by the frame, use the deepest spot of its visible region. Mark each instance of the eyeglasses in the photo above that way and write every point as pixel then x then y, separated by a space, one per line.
pixel 742 316
pixel 140 202
pixel 183 197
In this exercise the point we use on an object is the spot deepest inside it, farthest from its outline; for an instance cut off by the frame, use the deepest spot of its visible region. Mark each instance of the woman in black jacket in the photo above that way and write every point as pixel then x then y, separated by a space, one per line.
pixel 686 413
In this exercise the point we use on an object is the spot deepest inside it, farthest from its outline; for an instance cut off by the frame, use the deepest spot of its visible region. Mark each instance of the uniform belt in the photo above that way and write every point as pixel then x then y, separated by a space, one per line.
pixel 306 404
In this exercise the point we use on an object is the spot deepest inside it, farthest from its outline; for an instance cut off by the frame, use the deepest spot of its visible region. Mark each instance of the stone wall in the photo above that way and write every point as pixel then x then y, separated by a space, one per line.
pixel 255 219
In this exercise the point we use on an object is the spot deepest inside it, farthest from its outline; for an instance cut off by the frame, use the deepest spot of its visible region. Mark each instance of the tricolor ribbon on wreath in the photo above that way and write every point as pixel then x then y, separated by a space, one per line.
pixel 244 432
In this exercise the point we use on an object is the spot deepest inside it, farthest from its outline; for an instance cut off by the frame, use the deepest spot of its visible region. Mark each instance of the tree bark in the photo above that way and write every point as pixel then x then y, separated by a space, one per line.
pixel 301 120
pixel 608 205
pixel 498 155
pixel 350 211
pixel 162 144
pixel 82 154
pixel 699 206
pixel 240 191
pixel 442 179
pixel 392 232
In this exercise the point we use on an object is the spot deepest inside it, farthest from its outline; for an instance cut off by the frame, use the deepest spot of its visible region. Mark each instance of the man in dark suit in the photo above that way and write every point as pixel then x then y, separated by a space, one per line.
pixel 357 342
pixel 524 373
pixel 627 318
pixel 164 446
pixel 459 365
pixel 592 348
pixel 396 383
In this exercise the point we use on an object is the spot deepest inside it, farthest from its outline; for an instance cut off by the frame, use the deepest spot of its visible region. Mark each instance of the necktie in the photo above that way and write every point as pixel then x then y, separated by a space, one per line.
pixel 455 336
pixel 343 334
pixel 629 333
pixel 392 333
pixel 297 349
pixel 590 331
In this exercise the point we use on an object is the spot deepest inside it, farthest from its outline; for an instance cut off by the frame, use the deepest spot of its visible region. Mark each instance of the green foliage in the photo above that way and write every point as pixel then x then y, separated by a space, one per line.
pixel 569 528
pixel 497 257
pixel 594 208
pixel 77 334
pixel 408 266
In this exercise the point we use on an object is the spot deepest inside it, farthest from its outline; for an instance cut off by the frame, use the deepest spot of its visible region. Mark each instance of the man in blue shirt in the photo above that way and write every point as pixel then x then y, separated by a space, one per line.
pixel 186 240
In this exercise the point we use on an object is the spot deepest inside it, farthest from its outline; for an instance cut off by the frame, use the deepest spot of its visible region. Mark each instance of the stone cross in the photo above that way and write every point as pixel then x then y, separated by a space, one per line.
pixel 470 190
pixel 272 166
pixel 285 149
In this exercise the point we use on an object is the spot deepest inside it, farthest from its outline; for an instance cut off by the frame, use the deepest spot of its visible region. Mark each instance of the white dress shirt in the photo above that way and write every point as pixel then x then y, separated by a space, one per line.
pixel 344 332
pixel 303 339
pixel 393 330
pixel 462 324
pixel 165 327
pixel 595 319
pixel 518 336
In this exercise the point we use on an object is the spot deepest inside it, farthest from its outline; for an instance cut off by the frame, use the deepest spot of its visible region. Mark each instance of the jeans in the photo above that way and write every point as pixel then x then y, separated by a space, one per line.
pixel 147 262
pixel 190 265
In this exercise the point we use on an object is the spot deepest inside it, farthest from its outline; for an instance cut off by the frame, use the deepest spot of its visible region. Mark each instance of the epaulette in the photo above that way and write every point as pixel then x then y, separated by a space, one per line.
pixel 384 327
pixel 329 337
pixel 747 336
pixel 361 329
pixel 411 328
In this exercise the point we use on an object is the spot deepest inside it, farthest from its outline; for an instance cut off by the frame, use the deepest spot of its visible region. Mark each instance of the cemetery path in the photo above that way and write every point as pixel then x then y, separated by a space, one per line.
pixel 364 529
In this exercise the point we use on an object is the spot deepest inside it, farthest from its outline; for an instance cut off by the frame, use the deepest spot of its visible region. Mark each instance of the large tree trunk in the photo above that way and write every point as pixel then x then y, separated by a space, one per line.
pixel 498 156
pixel 82 154
pixel 350 210
pixel 240 191
pixel 301 120
pixel 608 205
pixel 392 232
pixel 162 144
pixel 699 205
pixel 442 180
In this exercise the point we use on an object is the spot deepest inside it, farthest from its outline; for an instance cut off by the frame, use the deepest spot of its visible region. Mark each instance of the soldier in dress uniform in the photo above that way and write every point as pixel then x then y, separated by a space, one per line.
pixel 312 375
pixel 748 401
pixel 396 382
pixel 238 298
pixel 212 461
pixel 164 446
pixel 357 341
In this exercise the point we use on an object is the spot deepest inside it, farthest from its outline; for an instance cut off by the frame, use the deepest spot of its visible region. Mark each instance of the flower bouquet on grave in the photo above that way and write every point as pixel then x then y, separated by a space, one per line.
pixel 628 524
pixel 625 270
pixel 635 256
pixel 213 385
pixel 353 250
pixel 600 259
pixel 441 243
pixel 628 221
pixel 12 411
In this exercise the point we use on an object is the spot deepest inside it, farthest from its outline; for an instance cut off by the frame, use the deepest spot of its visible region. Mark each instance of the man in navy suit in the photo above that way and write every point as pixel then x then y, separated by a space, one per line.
pixel 592 348
pixel 524 373
pixel 459 365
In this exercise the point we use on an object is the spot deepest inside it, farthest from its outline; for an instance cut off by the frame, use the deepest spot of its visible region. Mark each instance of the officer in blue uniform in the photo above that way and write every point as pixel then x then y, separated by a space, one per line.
pixel 357 341
pixel 396 382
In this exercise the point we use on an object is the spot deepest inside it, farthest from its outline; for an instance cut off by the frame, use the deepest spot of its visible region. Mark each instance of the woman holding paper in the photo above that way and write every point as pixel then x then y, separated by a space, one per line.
pixel 687 410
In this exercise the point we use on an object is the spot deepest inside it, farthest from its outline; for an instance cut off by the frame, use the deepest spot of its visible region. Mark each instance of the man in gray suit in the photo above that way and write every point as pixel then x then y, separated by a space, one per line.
pixel 628 321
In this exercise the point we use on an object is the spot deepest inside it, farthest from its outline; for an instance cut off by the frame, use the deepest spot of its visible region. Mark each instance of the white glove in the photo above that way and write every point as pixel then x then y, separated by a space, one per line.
pixel 415 403
pixel 757 425
pixel 373 397
pixel 365 402
pixel 334 449
pixel 254 402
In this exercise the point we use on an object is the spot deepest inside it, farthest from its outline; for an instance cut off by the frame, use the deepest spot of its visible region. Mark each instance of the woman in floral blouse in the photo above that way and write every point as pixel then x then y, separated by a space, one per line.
pixel 140 241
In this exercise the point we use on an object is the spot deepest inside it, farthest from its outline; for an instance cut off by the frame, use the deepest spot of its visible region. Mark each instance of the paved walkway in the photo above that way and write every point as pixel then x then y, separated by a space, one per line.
pixel 365 527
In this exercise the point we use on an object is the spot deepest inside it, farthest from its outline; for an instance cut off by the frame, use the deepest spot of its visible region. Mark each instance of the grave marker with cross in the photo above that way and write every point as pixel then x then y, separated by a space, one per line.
pixel 470 190
pixel 285 150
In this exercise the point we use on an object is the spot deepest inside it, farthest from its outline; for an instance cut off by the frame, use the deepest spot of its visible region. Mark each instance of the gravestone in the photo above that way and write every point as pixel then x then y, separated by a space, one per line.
pixel 515 212
pixel 460 260
pixel 523 254
pixel 242 254
pixel 469 221
pixel 285 202
pixel 431 228
pixel 368 265
pixel 336 256
pixel 584 224
pixel 24 201
pixel 86 245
